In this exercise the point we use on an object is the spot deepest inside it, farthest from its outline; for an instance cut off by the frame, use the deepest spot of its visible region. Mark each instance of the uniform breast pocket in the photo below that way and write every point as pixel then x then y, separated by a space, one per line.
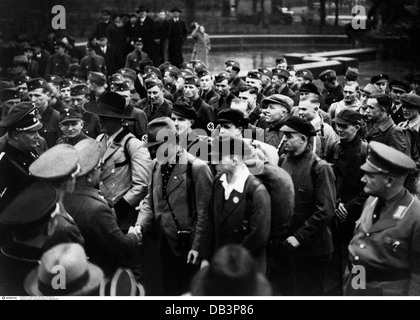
pixel 395 245
pixel 303 195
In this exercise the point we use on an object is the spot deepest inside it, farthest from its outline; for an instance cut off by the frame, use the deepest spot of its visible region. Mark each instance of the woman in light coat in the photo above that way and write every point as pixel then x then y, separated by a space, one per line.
pixel 201 44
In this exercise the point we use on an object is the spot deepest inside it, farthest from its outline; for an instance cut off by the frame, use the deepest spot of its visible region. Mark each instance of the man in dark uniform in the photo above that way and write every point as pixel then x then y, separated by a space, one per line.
pixel 58 63
pixel 177 36
pixel 233 68
pixel 146 30
pixel 20 84
pixel 136 57
pixel 384 253
pixel 79 96
pixel 267 76
pixel 207 93
pixel 304 77
pixel 22 125
pixel 170 78
pixel 397 88
pixel 92 62
pixel 9 97
pixel 97 84
pixel 254 79
pixel 40 94
pixel 155 106
pixel 205 114
pixel 280 78
pixel 71 124
pixel 223 89
pixel 333 91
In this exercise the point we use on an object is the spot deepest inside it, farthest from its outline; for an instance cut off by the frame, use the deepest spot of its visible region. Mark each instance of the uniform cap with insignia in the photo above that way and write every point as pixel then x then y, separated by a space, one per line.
pixel 298 125
pixel 278 99
pixel 203 73
pixel 78 90
pixel 156 71
pixel 21 80
pixel 185 72
pixel 400 86
pixel 173 71
pixel 348 117
pixel 66 83
pixel 254 75
pixel 117 78
pixel 379 78
pixel 128 73
pixel 281 73
pixel 234 64
pixel 221 77
pixel 305 74
pixel 37 83
pixel 70 114
pixel 199 65
pixel 138 40
pixel 188 64
pixel 309 88
pixel 184 110
pixel 410 100
pixel 9 94
pixel 22 117
pixel 60 44
pixel 233 116
pixel 387 160
pixel 90 154
pixel 192 80
pixel 57 164
pixel 154 131
pixel 144 63
pixel 281 60
pixel 32 207
pixel 109 104
pixel 327 75
pixel 120 87
pixel 97 78
pixel 164 66
pixel 150 83
pixel 54 79
pixel 266 72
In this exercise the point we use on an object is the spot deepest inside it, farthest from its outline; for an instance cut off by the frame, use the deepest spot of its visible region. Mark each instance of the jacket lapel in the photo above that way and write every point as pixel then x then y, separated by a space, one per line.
pixel 110 151
pixel 233 204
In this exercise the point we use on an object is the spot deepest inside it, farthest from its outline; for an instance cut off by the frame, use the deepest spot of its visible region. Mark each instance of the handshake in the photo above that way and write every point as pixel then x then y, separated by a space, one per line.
pixel 137 230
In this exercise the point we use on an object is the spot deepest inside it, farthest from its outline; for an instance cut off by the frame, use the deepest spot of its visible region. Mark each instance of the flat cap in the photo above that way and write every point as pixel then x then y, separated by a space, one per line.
pixel 233 116
pixel 410 100
pixel 309 88
pixel 352 74
pixel 184 110
pixel 384 159
pixel 279 99
pixel 61 162
pixel 348 116
pixel 298 125
pixel 128 73
pixel 70 114
pixel 234 64
pixel 79 89
pixel 327 75
pixel 9 94
pixel 305 74
pixel 379 78
pixel 370 89
pixel 97 78
pixel 32 207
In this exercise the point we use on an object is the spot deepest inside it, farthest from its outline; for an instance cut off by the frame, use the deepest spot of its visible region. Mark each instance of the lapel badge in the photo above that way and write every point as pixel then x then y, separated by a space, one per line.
pixel 235 199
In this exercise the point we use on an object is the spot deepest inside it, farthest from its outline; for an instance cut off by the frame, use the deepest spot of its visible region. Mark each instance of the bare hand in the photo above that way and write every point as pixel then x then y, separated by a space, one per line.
pixel 193 257
pixel 291 242
pixel 341 212
pixel 137 231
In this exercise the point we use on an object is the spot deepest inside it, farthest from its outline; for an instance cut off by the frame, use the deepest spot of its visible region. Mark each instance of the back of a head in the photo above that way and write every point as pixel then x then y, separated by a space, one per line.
pixel 232 272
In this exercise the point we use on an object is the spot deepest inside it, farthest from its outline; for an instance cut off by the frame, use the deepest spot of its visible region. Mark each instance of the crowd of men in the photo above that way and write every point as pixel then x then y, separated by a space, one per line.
pixel 194 162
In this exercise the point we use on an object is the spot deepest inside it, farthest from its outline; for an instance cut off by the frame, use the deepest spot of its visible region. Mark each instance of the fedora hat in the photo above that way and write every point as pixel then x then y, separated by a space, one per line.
pixel 82 278
pixel 155 134
pixel 232 272
pixel 110 104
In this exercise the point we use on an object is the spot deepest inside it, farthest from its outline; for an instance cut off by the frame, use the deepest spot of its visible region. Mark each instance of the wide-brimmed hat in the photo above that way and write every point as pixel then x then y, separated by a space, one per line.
pixel 81 277
pixel 232 272
pixel 157 130
pixel 110 104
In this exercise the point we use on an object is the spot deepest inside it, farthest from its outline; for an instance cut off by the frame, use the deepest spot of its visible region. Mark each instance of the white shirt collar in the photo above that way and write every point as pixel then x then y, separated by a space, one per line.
pixel 413 123
pixel 238 185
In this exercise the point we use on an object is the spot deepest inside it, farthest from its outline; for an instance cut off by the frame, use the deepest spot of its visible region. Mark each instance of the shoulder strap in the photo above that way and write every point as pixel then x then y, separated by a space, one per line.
pixel 126 153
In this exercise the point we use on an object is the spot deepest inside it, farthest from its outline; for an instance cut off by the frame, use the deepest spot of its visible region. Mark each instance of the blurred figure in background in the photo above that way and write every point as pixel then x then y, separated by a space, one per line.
pixel 202 44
